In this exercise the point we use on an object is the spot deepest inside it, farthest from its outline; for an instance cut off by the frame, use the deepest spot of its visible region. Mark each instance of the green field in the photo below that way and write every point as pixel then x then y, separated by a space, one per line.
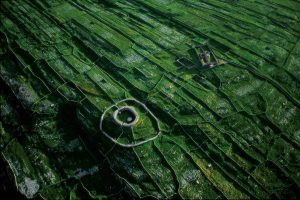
pixel 231 131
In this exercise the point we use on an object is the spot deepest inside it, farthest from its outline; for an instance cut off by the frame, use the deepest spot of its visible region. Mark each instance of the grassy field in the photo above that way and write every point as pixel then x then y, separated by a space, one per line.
pixel 230 131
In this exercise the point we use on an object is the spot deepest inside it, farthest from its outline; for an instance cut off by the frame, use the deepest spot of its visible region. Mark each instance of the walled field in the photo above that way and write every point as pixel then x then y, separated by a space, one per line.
pixel 231 131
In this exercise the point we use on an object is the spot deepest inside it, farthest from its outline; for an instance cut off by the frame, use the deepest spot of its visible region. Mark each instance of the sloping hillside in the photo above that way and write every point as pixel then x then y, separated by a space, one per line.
pixel 156 98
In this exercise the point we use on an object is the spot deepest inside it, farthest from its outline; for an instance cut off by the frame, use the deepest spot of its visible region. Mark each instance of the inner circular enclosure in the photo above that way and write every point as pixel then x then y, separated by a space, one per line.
pixel 125 116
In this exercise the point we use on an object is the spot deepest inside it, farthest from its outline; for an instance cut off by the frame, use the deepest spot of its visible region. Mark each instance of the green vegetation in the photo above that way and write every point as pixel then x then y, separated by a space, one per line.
pixel 228 131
